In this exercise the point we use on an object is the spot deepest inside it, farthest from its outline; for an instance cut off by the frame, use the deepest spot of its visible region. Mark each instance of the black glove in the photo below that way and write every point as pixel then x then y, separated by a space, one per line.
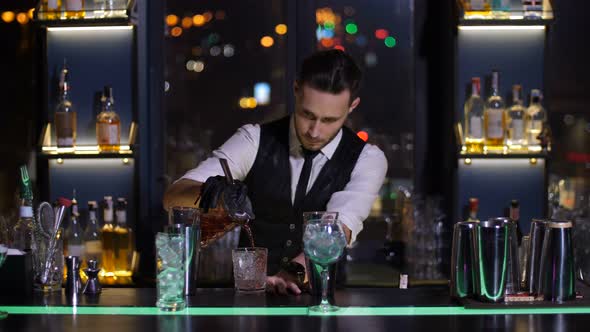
pixel 234 197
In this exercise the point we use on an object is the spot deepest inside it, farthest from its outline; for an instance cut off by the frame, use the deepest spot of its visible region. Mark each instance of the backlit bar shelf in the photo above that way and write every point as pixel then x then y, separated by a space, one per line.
pixel 90 13
pixel 512 15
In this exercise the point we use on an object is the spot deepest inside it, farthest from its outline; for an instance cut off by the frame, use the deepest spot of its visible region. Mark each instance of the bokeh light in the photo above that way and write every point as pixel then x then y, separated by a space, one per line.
pixel 215 51
pixel 340 47
pixel 176 31
pixel 327 42
pixel 381 33
pixel 187 22
pixel 208 16
pixel 281 29
pixel 198 20
pixel 363 135
pixel 22 18
pixel 351 28
pixel 228 50
pixel 266 41
pixel 30 13
pixel 171 20
pixel 199 66
pixel 390 42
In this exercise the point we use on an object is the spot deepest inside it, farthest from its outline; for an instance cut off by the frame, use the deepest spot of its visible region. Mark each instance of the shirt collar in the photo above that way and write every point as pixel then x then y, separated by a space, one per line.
pixel 295 145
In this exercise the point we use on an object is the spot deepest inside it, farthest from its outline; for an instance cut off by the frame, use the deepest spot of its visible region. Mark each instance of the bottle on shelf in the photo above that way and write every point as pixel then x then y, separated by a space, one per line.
pixel 494 118
pixel 108 124
pixel 514 215
pixel 516 139
pixel 51 9
pixel 474 119
pixel 473 207
pixel 123 241
pixel 65 114
pixel 532 9
pixel 73 236
pixel 92 243
pixel 535 118
pixel 476 9
pixel 501 9
pixel 23 230
pixel 74 9
pixel 107 236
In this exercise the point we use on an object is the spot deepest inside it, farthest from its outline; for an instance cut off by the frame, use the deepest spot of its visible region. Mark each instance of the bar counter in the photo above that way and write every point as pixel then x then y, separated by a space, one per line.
pixel 217 309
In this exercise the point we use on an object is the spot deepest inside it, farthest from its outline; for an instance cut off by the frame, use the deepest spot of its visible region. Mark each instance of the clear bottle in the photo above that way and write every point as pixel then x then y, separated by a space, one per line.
pixel 23 230
pixel 75 9
pixel 476 9
pixel 494 117
pixel 108 124
pixel 123 240
pixel 535 118
pixel 73 236
pixel 50 9
pixel 107 237
pixel 516 139
pixel 533 9
pixel 65 115
pixel 474 119
pixel 473 207
pixel 92 243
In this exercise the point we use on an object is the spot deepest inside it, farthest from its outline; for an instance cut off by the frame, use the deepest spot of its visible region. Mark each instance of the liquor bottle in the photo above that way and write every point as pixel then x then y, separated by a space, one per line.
pixel 533 9
pixel 535 118
pixel 23 230
pixel 108 239
pixel 65 115
pixel 108 124
pixel 74 9
pixel 123 240
pixel 474 110
pixel 50 9
pixel 473 207
pixel 501 9
pixel 73 236
pixel 476 9
pixel 494 117
pixel 516 139
pixel 92 243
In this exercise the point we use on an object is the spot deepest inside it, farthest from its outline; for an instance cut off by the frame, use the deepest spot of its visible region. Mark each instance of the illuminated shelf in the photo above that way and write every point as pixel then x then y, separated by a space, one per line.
pixel 513 17
pixel 91 15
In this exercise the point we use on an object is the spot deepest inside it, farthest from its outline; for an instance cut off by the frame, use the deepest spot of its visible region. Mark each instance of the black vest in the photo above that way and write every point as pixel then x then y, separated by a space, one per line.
pixel 277 226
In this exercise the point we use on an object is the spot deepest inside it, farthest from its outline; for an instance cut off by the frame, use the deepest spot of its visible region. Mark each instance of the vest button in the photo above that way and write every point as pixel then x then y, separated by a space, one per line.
pixel 292 227
pixel 285 259
pixel 289 242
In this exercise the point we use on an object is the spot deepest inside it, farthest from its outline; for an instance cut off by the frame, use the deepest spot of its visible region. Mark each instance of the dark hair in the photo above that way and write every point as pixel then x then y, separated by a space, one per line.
pixel 331 71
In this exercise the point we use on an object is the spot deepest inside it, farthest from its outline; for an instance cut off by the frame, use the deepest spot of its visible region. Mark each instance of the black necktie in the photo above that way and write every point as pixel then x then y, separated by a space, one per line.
pixel 304 177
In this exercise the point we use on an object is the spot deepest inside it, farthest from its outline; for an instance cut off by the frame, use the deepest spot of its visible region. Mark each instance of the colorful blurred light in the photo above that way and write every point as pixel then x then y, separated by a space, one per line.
pixel 351 28
pixel 171 20
pixel 190 65
pixel 198 20
pixel 199 66
pixel 187 22
pixel 281 29
pixel 267 41
pixel 340 47
pixel 390 42
pixel 251 102
pixel 30 13
pixel 8 17
pixel 329 25
pixel 208 16
pixel 22 18
pixel 176 31
pixel 381 33
pixel 262 93
pixel 215 50
pixel 228 50
pixel 213 38
pixel 363 135
pixel 361 40
pixel 371 59
pixel 244 102
pixel 327 42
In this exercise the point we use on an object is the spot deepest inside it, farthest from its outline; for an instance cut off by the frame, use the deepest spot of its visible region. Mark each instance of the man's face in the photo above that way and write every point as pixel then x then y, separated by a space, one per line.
pixel 319 115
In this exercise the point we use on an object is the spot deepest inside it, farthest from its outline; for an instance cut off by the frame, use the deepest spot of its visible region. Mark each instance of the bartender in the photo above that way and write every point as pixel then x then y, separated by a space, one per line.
pixel 308 161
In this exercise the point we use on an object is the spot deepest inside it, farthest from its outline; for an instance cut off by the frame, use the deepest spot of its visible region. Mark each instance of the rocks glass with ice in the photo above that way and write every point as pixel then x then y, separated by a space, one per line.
pixel 323 243
pixel 170 269
pixel 250 268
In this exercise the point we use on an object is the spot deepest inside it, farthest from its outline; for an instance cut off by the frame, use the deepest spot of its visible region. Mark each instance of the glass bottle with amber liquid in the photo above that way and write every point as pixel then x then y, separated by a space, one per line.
pixel 74 9
pixel 474 123
pixel 107 237
pixel 50 9
pixel 65 115
pixel 535 118
pixel 123 240
pixel 476 9
pixel 108 124
pixel 494 118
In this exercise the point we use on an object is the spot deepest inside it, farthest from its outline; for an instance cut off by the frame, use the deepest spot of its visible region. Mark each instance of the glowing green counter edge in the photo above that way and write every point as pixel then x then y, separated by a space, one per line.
pixel 287 311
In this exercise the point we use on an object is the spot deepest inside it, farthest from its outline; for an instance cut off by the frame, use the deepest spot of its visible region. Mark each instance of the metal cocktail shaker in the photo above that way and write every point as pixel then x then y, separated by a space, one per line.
pixel 513 268
pixel 490 248
pixel 537 234
pixel 462 260
pixel 557 278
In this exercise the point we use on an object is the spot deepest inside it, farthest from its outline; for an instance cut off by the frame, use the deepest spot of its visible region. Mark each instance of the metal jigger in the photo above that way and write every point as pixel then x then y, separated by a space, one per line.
pixel 73 282
pixel 92 286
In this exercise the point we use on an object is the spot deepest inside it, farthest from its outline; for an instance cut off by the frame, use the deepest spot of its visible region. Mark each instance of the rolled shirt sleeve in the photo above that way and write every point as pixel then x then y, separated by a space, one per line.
pixel 354 202
pixel 240 151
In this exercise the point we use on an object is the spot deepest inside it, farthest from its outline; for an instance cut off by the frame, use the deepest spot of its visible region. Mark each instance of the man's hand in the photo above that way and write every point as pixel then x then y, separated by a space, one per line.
pixel 282 283
pixel 233 197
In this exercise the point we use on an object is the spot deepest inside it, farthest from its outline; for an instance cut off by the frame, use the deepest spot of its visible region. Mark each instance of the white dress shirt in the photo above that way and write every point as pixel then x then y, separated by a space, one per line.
pixel 353 203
